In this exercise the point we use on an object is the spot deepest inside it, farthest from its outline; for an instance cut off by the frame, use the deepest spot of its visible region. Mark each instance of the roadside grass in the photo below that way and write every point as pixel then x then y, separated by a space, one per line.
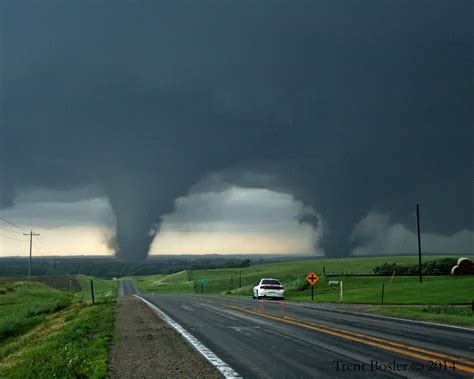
pixel 356 289
pixel 103 288
pixel 462 316
pixel 24 305
pixel 78 349
pixel 402 290
pixel 48 333
pixel 146 283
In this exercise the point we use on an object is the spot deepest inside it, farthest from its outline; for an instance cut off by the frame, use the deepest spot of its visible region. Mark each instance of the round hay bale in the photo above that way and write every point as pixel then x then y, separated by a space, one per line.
pixel 464 262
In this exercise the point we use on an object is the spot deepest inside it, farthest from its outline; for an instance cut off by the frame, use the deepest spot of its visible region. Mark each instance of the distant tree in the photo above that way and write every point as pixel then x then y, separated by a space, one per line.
pixel 435 267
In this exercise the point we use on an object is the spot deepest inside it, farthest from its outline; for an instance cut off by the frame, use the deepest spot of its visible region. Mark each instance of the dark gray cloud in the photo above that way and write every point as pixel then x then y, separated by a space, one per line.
pixel 348 106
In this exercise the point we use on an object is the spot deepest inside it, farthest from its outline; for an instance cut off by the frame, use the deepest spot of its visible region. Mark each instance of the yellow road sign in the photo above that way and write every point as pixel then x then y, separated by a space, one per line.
pixel 312 278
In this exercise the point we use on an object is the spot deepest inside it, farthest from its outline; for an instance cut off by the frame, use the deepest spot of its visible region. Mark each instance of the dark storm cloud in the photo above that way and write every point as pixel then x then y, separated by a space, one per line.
pixel 349 106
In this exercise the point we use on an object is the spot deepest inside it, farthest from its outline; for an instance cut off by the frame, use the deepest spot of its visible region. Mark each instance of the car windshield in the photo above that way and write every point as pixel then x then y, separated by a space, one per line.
pixel 271 281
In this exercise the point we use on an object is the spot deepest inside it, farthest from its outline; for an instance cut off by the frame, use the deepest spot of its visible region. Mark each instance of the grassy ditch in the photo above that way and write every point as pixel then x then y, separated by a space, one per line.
pixel 24 305
pixel 47 333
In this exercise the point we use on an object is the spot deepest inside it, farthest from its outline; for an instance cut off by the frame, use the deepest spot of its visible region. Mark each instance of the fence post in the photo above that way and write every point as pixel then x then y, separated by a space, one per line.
pixel 92 291
pixel 383 288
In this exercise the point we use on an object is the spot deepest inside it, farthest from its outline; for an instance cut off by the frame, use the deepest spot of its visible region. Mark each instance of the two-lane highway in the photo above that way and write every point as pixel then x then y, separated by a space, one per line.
pixel 276 339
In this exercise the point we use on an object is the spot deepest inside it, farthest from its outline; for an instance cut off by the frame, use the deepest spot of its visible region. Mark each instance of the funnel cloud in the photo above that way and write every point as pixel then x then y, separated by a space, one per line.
pixel 350 108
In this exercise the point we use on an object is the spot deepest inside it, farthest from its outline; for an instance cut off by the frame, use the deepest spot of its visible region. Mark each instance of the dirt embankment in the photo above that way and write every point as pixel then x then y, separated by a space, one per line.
pixel 146 347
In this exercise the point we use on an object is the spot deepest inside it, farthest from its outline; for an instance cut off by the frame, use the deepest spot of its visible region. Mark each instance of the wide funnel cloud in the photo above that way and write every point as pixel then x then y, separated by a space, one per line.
pixel 349 107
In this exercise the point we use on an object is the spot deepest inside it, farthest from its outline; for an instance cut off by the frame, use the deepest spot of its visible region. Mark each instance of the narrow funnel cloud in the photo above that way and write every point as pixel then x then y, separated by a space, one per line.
pixel 349 108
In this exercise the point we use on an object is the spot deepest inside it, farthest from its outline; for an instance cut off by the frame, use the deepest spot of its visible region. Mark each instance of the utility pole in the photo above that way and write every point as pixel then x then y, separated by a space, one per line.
pixel 31 234
pixel 54 272
pixel 419 241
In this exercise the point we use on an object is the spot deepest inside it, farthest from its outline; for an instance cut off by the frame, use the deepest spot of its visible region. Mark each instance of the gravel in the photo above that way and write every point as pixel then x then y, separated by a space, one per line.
pixel 146 347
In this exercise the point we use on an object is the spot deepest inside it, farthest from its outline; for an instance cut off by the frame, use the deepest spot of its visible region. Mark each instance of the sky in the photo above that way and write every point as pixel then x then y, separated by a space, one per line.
pixel 130 128
pixel 234 221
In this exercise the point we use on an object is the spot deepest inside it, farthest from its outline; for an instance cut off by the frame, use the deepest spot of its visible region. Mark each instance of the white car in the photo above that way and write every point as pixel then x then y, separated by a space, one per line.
pixel 268 288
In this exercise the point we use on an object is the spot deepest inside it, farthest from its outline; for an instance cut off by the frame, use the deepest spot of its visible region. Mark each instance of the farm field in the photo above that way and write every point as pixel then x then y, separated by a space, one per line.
pixel 441 297
pixel 356 289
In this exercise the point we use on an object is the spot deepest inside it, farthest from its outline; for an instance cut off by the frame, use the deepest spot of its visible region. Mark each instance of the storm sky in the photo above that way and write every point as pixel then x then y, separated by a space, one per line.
pixel 346 112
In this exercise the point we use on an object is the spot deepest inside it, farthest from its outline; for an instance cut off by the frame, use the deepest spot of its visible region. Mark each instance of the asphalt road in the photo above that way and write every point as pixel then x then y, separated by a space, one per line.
pixel 127 288
pixel 277 339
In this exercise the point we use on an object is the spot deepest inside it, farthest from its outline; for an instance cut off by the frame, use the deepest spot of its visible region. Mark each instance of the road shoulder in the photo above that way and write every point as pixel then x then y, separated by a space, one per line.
pixel 146 346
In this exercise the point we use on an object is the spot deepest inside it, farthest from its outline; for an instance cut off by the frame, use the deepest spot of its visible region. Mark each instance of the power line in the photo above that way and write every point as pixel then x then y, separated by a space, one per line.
pixel 45 246
pixel 9 230
pixel 12 238
pixel 12 223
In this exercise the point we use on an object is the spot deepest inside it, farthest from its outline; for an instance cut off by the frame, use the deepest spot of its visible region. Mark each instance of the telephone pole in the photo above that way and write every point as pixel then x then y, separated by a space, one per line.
pixel 54 272
pixel 419 241
pixel 31 234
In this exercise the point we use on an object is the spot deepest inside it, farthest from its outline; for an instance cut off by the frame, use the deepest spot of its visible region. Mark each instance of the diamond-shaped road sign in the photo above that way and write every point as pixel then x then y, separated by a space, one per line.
pixel 312 278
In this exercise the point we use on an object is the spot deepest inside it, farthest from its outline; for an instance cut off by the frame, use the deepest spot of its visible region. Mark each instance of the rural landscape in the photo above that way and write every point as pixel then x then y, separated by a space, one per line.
pixel 257 189
pixel 53 320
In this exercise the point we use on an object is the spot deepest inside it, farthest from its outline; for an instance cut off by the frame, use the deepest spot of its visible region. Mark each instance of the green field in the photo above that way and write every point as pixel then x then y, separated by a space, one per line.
pixel 24 305
pixel 59 329
pixel 103 288
pixel 67 283
pixel 356 289
pixel 462 316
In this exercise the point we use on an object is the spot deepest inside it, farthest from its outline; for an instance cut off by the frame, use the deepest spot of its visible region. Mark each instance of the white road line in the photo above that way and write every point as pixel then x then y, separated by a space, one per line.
pixel 218 363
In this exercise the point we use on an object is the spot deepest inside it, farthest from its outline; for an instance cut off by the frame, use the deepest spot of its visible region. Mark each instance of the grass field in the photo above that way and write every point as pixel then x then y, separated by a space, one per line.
pixel 147 283
pixel 103 289
pixel 60 330
pixel 24 305
pixel 356 289
pixel 462 316
pixel 402 290
pixel 67 283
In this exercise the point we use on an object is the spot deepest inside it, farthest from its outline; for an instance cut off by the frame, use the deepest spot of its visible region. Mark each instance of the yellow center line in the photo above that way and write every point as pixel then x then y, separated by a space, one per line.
pixel 393 343
pixel 396 347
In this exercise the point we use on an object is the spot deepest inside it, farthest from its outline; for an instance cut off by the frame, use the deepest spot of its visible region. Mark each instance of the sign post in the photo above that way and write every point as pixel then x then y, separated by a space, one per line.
pixel 312 278
pixel 201 281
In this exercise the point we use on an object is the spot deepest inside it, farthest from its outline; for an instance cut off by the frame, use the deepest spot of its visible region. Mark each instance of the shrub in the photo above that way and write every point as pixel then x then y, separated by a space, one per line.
pixel 435 267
